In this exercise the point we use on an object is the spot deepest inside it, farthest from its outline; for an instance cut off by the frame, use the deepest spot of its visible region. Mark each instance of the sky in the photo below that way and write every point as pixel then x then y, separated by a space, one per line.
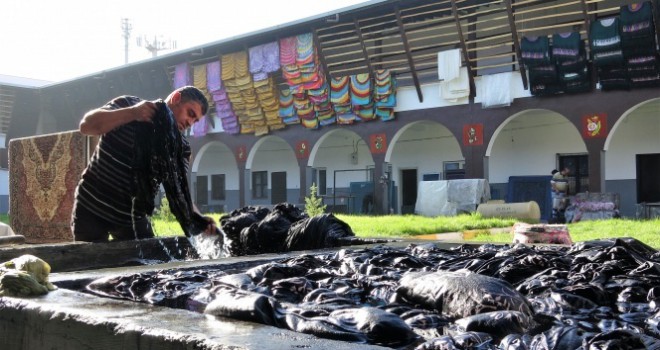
pixel 58 40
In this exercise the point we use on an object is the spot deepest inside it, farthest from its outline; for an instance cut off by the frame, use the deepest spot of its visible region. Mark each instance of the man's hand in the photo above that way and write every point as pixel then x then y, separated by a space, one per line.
pixel 211 228
pixel 100 121
pixel 144 111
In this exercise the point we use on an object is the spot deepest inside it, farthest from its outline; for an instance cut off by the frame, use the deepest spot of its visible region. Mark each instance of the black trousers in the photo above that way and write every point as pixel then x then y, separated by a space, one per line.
pixel 89 227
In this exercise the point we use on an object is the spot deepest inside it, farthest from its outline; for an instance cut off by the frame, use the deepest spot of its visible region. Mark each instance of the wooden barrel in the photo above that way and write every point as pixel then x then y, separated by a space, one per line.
pixel 527 211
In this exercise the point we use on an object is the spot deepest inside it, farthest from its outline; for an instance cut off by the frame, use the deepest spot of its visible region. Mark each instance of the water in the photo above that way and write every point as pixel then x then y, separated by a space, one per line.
pixel 139 246
pixel 207 246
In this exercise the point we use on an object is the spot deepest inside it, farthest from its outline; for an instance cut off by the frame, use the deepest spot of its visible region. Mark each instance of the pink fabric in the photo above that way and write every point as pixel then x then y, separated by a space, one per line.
pixel 288 52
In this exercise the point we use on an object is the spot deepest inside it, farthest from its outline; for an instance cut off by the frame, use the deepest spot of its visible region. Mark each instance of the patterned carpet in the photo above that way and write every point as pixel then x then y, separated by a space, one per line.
pixel 43 173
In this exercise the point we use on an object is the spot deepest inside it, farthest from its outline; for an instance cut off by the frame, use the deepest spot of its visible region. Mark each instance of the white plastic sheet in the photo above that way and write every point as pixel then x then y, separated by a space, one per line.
pixel 451 197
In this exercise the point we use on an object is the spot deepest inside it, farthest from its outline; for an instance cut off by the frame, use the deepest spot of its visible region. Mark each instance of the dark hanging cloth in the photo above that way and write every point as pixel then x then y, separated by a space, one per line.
pixel 605 42
pixel 567 47
pixel 535 50
pixel 637 29
pixel 164 153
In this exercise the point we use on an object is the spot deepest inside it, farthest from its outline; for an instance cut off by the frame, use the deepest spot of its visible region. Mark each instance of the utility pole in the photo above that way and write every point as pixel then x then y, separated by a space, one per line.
pixel 126 28
pixel 156 45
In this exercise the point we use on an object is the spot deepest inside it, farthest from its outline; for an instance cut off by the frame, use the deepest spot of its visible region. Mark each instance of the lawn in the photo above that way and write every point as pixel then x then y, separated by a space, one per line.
pixel 411 225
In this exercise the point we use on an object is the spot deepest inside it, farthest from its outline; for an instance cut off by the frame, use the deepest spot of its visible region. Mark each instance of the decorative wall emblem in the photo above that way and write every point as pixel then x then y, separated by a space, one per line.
pixel 302 149
pixel 241 153
pixel 378 143
pixel 594 126
pixel 473 134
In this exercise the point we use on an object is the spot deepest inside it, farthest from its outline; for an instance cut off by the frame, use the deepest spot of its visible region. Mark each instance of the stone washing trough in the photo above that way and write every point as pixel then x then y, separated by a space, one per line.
pixel 70 319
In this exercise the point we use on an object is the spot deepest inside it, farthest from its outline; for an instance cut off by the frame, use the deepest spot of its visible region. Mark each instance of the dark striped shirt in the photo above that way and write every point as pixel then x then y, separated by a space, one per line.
pixel 108 186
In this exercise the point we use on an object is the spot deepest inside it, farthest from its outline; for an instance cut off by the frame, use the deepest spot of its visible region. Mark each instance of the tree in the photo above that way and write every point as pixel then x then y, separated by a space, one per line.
pixel 314 204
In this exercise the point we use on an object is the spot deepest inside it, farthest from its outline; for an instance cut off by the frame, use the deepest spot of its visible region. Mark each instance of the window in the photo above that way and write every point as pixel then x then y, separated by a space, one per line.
pixel 259 184
pixel 578 178
pixel 322 185
pixel 218 186
pixel 370 173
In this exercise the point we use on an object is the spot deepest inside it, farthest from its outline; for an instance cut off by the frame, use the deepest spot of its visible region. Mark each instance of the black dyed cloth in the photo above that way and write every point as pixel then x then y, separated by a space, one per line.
pixel 164 154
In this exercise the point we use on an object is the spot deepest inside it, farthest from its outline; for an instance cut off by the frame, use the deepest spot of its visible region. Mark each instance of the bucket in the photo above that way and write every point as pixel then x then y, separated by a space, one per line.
pixel 527 211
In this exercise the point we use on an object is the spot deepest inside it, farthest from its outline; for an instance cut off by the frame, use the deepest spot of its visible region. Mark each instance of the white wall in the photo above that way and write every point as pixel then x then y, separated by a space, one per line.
pixel 334 154
pixel 424 147
pixel 638 133
pixel 219 160
pixel 275 160
pixel 528 145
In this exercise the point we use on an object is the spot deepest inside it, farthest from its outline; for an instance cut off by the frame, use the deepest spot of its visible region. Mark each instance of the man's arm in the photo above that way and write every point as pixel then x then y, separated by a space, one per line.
pixel 100 121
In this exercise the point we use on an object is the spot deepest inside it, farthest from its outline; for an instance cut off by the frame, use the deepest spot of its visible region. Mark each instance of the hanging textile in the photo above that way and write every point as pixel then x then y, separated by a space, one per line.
pixel 182 75
pixel 605 42
pixel 535 50
pixel 495 90
pixel 213 73
pixel 288 51
pixel 360 89
pixel 304 49
pixel 449 63
pixel 339 90
pixel 200 128
pixel 455 89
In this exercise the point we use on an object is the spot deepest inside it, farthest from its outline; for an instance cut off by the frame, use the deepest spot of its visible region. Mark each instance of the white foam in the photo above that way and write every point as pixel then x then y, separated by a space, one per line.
pixel 207 246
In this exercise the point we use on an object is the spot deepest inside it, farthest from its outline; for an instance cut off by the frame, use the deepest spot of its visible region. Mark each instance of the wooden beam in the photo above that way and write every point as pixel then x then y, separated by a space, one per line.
pixel 406 46
pixel 317 45
pixel 516 42
pixel 585 14
pixel 464 50
pixel 364 48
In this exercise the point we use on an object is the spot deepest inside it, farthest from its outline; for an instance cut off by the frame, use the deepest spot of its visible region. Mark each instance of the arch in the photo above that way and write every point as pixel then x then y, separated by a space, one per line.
pixel 198 157
pixel 625 115
pixel 533 139
pixel 399 133
pixel 313 154
pixel 255 148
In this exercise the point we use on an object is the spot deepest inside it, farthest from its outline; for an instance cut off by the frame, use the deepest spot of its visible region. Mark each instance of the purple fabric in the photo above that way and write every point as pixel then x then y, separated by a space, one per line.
pixel 213 74
pixel 182 75
pixel 200 128
pixel 271 53
pixel 259 76
pixel 219 96
pixel 256 59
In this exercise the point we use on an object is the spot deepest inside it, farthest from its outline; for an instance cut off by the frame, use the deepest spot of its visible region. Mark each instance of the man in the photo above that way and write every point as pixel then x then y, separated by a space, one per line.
pixel 141 146
pixel 559 187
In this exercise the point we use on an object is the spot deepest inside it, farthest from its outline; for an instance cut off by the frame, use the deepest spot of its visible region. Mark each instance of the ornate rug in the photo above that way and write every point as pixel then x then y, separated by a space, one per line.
pixel 43 173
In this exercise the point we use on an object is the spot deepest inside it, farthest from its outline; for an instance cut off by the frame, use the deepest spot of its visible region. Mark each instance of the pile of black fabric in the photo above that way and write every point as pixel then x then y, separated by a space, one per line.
pixel 258 230
pixel 601 295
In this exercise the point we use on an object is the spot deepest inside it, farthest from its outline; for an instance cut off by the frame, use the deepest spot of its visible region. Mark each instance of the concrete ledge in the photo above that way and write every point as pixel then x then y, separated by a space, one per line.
pixel 65 319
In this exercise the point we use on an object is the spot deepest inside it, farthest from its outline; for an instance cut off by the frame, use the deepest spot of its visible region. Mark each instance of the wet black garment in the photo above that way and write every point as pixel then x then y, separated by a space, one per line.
pixel 161 151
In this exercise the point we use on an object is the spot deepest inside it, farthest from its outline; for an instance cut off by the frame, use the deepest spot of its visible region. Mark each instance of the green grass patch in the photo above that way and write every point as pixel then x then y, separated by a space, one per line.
pixel 412 225
pixel 647 231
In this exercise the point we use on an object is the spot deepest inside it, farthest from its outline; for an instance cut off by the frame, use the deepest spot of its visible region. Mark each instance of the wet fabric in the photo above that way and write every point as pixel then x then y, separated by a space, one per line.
pixel 164 160
pixel 593 295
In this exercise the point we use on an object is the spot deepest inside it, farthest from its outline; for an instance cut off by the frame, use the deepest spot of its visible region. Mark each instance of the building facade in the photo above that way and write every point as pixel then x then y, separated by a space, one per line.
pixel 511 122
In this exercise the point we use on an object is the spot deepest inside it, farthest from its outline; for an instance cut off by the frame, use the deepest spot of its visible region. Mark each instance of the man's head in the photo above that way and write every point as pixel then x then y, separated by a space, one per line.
pixel 188 104
pixel 565 171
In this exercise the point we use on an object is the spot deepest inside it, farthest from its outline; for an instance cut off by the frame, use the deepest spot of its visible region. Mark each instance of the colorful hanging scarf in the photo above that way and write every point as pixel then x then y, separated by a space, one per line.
pixel 304 49
pixel 339 90
pixel 360 89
